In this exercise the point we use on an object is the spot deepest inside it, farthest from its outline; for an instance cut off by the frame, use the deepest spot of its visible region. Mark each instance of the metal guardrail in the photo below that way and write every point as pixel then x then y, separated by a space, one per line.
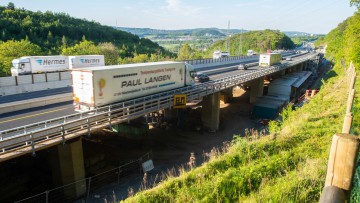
pixel 230 58
pixel 210 60
pixel 50 132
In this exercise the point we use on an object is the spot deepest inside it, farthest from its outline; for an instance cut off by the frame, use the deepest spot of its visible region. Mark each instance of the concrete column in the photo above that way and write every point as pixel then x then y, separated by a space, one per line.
pixel 257 89
pixel 67 164
pixel 211 112
pixel 170 114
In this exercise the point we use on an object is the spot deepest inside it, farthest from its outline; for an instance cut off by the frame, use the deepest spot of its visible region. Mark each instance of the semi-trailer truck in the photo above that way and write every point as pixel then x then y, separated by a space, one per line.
pixel 41 64
pixel 98 86
pixel 266 60
pixel 81 61
pixel 220 54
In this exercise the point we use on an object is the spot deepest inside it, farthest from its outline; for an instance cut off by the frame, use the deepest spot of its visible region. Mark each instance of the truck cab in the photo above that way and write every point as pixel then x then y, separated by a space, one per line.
pixel 21 66
pixel 189 75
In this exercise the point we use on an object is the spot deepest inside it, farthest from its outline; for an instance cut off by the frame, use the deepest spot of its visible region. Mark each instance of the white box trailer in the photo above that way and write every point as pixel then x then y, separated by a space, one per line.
pixel 98 86
pixel 267 60
pixel 82 61
pixel 39 64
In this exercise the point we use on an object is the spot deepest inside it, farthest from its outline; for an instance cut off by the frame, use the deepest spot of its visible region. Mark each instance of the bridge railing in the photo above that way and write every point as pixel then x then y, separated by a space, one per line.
pixel 37 136
pixel 211 60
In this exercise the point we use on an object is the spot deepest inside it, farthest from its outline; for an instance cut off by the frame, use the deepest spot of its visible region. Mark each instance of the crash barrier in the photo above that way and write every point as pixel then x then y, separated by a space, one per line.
pixel 34 82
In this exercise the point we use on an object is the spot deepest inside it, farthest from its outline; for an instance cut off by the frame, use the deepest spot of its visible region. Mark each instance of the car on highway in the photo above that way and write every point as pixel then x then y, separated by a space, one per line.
pixel 202 78
pixel 288 59
pixel 242 66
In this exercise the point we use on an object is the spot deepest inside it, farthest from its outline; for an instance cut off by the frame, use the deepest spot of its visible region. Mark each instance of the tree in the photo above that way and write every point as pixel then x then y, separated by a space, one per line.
pixel 83 48
pixel 355 3
pixel 110 52
pixel 11 6
pixel 185 52
pixel 63 42
pixel 14 49
pixel 141 58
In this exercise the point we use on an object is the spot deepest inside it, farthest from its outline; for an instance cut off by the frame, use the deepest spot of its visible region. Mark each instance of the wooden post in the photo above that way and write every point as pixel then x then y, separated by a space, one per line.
pixel 342 161
pixel 347 123
pixel 350 101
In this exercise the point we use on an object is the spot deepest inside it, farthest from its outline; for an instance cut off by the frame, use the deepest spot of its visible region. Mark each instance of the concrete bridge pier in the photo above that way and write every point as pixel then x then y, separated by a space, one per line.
pixel 211 112
pixel 170 113
pixel 256 89
pixel 67 165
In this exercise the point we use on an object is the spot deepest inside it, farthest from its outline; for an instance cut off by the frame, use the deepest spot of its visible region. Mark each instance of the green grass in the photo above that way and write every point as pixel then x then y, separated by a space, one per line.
pixel 288 166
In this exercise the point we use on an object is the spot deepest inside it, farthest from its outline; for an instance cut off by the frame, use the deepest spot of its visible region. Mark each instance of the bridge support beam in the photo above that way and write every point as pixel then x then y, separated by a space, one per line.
pixel 211 112
pixel 279 74
pixel 67 165
pixel 257 89
pixel 306 65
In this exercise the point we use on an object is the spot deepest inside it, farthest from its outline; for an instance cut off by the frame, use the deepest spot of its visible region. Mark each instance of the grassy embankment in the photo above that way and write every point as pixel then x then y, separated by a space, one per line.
pixel 289 166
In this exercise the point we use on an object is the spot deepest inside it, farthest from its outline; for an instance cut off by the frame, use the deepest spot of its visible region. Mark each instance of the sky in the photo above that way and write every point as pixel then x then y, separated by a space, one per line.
pixel 311 16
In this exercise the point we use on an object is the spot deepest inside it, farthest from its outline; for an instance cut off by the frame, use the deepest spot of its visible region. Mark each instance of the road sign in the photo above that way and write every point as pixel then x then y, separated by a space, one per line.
pixel 179 101
pixel 148 165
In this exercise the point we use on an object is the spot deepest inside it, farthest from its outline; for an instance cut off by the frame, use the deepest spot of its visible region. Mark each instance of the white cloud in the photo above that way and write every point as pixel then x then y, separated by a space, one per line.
pixel 173 5
pixel 178 7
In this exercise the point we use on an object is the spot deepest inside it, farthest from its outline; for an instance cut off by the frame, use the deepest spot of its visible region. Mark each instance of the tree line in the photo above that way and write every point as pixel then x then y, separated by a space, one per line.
pixel 27 33
pixel 343 44
pixel 23 33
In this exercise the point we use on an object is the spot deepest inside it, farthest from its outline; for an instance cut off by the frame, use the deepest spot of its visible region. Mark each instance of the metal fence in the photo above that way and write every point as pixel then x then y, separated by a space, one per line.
pixel 37 136
pixel 83 189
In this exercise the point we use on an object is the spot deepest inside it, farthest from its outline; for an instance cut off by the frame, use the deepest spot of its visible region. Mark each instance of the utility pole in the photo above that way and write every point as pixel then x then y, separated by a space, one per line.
pixel 228 38
pixel 240 44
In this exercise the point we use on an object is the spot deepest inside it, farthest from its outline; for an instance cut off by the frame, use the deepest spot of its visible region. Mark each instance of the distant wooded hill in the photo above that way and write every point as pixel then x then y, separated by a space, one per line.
pixel 215 32
pixel 259 41
pixel 53 31
pixel 143 32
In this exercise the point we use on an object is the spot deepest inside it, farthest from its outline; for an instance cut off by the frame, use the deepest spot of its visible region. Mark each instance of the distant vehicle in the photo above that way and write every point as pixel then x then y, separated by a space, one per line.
pixel 288 59
pixel 220 54
pixel 202 78
pixel 266 60
pixel 250 52
pixel 41 64
pixel 243 66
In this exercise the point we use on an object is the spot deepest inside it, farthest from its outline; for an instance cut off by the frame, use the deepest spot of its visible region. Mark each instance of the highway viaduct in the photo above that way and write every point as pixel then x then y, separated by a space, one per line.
pixel 65 132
